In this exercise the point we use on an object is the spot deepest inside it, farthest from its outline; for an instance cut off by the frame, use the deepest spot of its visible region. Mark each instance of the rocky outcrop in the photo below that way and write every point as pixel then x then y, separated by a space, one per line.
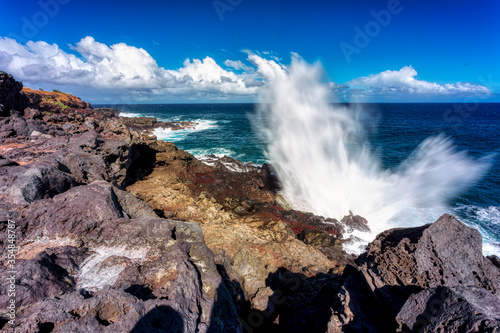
pixel 54 102
pixel 91 255
pixel 148 124
pixel 98 240
pixel 451 309
pixel 445 253
pixel 420 262
pixel 119 232
pixel 10 95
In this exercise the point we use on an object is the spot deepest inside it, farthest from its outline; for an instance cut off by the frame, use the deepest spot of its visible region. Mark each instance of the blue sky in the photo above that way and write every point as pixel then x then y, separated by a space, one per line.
pixel 373 51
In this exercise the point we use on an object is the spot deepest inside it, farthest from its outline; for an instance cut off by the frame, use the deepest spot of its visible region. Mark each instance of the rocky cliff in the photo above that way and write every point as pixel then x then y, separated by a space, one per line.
pixel 115 231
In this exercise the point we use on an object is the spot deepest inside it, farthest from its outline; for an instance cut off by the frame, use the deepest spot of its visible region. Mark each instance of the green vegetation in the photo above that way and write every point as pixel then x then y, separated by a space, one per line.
pixel 64 107
pixel 57 91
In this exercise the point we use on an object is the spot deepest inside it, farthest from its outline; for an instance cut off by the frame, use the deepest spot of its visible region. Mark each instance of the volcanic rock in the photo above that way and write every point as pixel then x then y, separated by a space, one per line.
pixel 163 263
pixel 10 95
pixel 451 309
pixel 400 262
pixel 53 102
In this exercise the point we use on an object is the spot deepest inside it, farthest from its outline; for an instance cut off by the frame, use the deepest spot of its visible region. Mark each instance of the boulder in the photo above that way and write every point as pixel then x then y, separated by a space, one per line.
pixel 318 238
pixel 451 309
pixel 130 261
pixel 6 162
pixel 232 280
pixel 355 222
pixel 400 262
pixel 42 277
pixel 11 97
pixel 355 309
pixel 40 181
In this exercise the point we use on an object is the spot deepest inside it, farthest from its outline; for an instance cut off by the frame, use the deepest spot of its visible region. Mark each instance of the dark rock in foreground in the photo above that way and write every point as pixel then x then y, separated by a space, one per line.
pixel 400 262
pixel 451 309
pixel 97 257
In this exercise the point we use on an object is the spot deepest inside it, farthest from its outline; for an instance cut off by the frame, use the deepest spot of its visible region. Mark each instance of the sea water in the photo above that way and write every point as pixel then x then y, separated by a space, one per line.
pixel 398 165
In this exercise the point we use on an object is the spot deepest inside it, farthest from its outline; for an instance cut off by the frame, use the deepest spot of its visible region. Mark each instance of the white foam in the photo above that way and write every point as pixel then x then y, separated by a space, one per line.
pixel 325 164
pixel 167 134
pixel 130 114
pixel 211 156
pixel 204 153
pixel 93 275
pixel 486 220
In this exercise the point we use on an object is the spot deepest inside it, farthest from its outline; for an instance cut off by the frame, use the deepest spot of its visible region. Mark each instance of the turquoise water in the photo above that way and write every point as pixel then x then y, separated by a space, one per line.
pixel 393 131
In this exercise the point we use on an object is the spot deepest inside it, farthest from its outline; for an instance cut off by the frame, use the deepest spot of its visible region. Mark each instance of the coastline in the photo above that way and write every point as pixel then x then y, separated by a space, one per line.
pixel 96 196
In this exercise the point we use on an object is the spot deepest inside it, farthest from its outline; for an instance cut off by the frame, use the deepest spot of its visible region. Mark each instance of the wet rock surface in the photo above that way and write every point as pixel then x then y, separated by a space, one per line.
pixel 119 232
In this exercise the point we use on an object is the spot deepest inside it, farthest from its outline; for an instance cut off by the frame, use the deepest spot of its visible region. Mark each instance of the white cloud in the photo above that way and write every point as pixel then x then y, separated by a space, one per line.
pixel 269 69
pixel 404 82
pixel 126 69
pixel 41 62
pixel 238 65
pixel 124 73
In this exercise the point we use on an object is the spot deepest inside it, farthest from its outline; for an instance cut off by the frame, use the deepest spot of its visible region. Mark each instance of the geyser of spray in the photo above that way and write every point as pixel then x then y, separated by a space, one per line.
pixel 325 166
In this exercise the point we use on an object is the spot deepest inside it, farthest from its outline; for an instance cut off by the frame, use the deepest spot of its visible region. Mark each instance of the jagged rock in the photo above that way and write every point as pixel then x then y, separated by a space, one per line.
pixel 140 122
pixel 107 113
pixel 44 276
pixel 451 309
pixel 297 304
pixel 88 158
pixel 355 309
pixel 149 123
pixel 277 231
pixel 41 180
pixel 53 102
pixel 331 246
pixel 6 162
pixel 260 301
pixel 30 113
pixel 17 124
pixel 160 262
pixel 10 95
pixel 319 238
pixel 400 262
pixel 237 214
pixel 495 260
pixel 355 222
pixel 232 280
pixel 251 269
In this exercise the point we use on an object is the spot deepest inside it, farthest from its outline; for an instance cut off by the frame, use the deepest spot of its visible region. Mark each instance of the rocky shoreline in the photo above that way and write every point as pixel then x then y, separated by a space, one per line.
pixel 111 230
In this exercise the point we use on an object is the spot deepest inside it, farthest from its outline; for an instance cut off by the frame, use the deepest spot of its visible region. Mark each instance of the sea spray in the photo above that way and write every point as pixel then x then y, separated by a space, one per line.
pixel 324 162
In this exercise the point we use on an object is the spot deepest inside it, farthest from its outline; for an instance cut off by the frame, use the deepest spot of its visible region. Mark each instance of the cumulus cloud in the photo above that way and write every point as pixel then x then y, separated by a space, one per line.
pixel 125 73
pixel 269 69
pixel 238 65
pixel 404 82
pixel 125 68
pixel 41 62
pixel 207 75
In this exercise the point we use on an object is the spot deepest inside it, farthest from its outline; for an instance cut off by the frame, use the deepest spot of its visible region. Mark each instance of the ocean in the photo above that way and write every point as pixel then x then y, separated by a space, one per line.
pixel 391 132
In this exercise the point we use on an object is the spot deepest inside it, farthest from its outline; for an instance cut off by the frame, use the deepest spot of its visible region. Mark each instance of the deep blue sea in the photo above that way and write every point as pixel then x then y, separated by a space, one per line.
pixel 393 132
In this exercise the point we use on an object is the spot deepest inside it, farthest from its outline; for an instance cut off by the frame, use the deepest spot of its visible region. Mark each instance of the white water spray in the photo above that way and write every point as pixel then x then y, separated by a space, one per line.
pixel 325 165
